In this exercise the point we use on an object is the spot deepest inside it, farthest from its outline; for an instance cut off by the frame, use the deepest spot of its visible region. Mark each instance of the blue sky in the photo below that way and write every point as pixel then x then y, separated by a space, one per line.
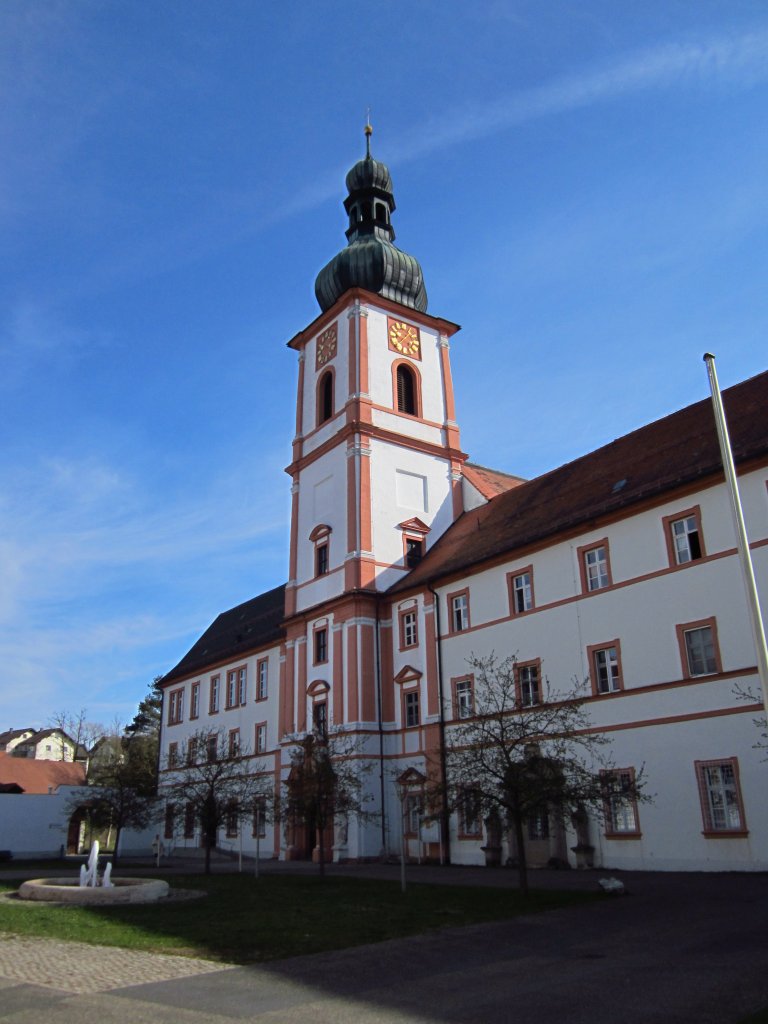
pixel 584 184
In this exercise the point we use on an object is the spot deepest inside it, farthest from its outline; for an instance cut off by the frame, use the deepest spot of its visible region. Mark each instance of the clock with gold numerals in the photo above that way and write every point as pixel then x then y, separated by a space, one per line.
pixel 326 346
pixel 404 338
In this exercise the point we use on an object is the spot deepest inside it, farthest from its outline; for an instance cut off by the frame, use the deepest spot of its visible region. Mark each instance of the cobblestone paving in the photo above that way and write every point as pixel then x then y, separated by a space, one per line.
pixel 80 968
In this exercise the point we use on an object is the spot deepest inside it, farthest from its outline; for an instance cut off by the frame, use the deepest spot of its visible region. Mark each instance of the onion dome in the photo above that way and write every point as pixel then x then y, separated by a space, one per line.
pixel 370 260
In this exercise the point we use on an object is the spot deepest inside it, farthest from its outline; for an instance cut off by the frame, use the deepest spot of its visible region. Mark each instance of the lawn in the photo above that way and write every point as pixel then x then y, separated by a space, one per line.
pixel 244 919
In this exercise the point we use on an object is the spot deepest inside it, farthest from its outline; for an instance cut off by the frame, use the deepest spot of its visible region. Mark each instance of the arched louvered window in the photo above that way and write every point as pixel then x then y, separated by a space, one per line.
pixel 406 390
pixel 325 397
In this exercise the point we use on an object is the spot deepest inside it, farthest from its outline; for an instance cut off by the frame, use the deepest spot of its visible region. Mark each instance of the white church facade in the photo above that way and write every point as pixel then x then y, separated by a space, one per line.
pixel 407 561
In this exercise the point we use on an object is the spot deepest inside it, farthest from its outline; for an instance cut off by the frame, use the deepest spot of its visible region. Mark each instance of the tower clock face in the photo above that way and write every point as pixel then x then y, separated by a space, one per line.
pixel 326 346
pixel 404 338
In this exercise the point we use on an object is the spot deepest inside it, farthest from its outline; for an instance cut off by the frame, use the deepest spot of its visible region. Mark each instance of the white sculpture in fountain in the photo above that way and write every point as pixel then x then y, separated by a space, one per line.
pixel 89 876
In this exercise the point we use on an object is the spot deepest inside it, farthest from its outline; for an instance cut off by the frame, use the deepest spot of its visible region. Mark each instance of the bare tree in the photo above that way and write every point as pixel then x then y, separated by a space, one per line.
pixel 325 783
pixel 524 748
pixel 218 783
pixel 84 734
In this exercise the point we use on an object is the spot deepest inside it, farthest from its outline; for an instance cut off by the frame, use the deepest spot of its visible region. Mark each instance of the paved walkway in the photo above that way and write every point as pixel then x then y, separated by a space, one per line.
pixel 680 949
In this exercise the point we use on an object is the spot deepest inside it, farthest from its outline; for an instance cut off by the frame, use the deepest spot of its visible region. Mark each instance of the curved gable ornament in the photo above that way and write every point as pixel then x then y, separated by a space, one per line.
pixel 317 688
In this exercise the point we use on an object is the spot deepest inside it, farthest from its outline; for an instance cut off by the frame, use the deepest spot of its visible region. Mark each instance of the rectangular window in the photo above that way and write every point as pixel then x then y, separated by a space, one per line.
pixel 521 590
pixel 173 755
pixel 232 819
pixel 412 812
pixel 463 698
pixel 414 551
pixel 234 742
pixel 320 718
pixel 321 646
pixel 189 821
pixel 214 697
pixel 192 750
pixel 720 794
pixel 685 541
pixel 261 737
pixel 470 824
pixel 237 680
pixel 212 748
pixel 595 567
pixel 170 821
pixel 538 823
pixel 411 701
pixel 260 817
pixel 698 648
pixel 528 684
pixel 321 559
pixel 175 707
pixel 409 633
pixel 194 704
pixel 620 803
pixel 605 667
pixel 262 678
pixel 459 604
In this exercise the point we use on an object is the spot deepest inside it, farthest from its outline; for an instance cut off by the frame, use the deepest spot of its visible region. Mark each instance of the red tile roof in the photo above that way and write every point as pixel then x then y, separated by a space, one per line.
pixel 235 632
pixel 490 482
pixel 675 451
pixel 36 776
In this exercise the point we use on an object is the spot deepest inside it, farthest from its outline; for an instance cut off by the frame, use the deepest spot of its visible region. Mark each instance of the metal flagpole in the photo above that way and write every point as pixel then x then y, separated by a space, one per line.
pixel 758 630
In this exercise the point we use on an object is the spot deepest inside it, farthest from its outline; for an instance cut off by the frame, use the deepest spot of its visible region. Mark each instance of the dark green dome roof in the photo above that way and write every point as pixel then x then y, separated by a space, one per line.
pixel 370 260
pixel 369 173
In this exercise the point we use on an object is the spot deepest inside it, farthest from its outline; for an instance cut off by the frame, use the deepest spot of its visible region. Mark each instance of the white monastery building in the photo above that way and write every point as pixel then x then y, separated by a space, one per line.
pixel 406 560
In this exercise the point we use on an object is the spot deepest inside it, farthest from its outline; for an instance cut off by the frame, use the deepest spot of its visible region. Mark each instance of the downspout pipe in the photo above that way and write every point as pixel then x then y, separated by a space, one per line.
pixel 445 816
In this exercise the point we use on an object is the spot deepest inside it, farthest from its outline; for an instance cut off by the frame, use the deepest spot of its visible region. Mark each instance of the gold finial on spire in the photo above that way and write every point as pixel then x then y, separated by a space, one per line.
pixel 368 132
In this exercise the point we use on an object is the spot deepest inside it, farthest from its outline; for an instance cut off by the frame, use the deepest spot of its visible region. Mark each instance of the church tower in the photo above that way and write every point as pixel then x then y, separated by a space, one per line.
pixel 376 467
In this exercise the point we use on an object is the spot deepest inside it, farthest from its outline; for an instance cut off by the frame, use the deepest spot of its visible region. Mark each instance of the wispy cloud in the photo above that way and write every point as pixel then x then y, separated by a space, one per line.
pixel 734 61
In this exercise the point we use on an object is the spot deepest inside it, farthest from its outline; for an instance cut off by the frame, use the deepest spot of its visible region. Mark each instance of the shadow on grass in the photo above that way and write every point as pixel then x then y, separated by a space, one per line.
pixel 249 920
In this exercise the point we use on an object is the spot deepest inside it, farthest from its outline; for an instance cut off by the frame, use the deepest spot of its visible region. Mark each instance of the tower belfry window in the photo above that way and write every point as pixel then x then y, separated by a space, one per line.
pixel 406 390
pixel 325 395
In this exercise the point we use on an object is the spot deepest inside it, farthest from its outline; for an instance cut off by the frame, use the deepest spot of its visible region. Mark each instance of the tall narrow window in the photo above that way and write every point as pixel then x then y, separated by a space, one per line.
pixel 521 591
pixel 412 717
pixel 213 702
pixel 321 559
pixel 620 802
pixel 528 685
pixel 194 709
pixel 605 667
pixel 325 397
pixel 459 604
pixel 698 648
pixel 414 551
pixel 406 390
pixel 320 719
pixel 321 645
pixel 262 672
pixel 721 803
pixel 464 704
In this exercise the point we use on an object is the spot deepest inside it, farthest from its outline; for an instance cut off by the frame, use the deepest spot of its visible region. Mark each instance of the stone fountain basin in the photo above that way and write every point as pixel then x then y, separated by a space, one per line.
pixel 68 890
